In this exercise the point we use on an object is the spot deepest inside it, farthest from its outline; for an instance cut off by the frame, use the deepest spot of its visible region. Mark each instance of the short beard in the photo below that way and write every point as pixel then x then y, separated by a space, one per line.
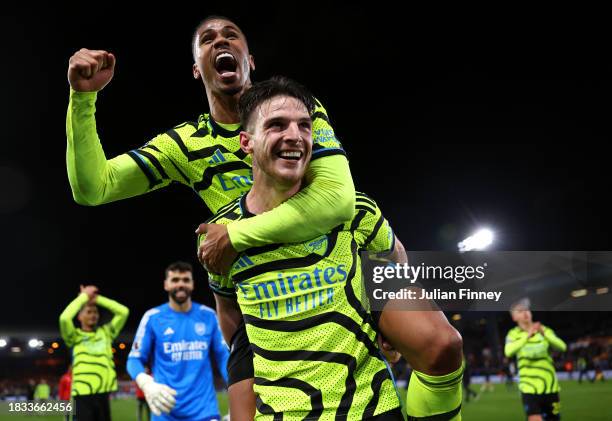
pixel 173 296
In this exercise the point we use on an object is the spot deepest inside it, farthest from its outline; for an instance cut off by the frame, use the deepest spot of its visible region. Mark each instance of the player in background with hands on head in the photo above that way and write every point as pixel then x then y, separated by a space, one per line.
pixel 93 367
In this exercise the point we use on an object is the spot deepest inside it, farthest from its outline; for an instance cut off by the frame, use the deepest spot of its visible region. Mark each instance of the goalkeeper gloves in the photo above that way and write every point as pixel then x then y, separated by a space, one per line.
pixel 159 396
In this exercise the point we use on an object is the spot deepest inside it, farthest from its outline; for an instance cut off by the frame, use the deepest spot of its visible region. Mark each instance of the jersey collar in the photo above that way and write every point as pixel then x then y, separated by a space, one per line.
pixel 216 129
pixel 243 207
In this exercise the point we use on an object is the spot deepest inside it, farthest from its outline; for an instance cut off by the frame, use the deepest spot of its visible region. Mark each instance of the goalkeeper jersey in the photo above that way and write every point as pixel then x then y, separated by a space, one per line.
pixel 536 370
pixel 93 367
pixel 178 346
pixel 304 308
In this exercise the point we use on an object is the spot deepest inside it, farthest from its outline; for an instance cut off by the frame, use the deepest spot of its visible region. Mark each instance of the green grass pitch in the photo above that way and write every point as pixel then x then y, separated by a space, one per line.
pixel 580 402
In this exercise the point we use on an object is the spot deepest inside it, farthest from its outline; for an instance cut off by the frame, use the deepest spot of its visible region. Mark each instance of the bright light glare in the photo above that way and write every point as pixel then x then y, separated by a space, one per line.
pixel 479 241
pixel 579 293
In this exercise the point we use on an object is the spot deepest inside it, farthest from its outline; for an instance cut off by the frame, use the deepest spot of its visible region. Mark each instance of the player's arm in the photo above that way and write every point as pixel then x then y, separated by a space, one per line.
pixel 328 199
pixel 67 328
pixel 553 339
pixel 220 349
pixel 159 397
pixel 240 393
pixel 143 345
pixel 228 310
pixel 120 314
pixel 423 336
pixel 514 344
pixel 93 178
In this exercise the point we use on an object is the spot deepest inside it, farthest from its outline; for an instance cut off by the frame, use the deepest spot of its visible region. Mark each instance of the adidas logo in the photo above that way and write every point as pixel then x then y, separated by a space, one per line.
pixel 243 262
pixel 168 331
pixel 217 157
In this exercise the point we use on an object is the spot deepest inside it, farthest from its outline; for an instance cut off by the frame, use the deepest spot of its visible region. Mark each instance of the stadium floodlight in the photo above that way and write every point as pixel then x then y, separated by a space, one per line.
pixel 602 290
pixel 579 293
pixel 3 342
pixel 34 343
pixel 480 240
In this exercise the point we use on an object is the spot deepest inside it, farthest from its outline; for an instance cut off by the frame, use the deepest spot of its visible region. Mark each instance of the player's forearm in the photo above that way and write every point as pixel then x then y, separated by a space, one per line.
pixel 221 357
pixel 94 179
pixel 512 348
pixel 65 319
pixel 554 340
pixel 328 200
pixel 113 306
pixel 229 316
pixel 120 312
pixel 134 367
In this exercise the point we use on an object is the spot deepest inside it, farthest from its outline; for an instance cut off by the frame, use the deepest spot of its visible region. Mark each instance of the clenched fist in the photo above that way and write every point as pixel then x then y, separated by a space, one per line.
pixel 90 70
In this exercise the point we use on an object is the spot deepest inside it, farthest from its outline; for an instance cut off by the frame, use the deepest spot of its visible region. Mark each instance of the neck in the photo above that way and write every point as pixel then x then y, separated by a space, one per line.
pixel 268 193
pixel 86 328
pixel 181 308
pixel 223 107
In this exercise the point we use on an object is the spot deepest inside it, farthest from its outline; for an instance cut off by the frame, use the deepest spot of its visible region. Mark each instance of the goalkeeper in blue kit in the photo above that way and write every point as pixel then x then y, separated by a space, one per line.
pixel 176 340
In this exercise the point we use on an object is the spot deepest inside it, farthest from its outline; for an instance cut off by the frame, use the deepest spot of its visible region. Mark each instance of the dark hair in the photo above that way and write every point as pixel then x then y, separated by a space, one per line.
pixel 194 36
pixel 179 267
pixel 275 86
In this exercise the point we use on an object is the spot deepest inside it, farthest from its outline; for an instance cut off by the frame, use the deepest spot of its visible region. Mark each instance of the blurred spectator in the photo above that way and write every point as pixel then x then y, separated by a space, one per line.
pixel 65 385
pixel 42 391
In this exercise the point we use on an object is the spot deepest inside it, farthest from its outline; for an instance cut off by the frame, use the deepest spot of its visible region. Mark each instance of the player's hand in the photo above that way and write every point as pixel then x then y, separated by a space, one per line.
pixel 90 70
pixel 388 351
pixel 91 291
pixel 159 396
pixel 216 252
pixel 535 328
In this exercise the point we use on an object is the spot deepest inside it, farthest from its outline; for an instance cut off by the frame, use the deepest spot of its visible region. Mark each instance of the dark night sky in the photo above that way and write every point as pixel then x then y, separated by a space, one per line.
pixel 450 122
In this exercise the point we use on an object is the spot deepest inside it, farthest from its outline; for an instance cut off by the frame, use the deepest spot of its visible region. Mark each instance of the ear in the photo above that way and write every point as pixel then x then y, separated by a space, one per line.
pixel 166 288
pixel 246 142
pixel 252 62
pixel 196 71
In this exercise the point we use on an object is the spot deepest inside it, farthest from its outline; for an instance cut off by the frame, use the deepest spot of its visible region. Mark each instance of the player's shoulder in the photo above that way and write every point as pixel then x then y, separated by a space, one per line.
pixel 365 202
pixel 320 112
pixel 155 311
pixel 515 332
pixel 204 310
pixel 180 133
pixel 228 213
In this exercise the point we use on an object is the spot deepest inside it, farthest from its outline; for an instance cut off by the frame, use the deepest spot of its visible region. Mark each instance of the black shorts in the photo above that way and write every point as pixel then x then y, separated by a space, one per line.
pixel 240 362
pixel 546 405
pixel 94 407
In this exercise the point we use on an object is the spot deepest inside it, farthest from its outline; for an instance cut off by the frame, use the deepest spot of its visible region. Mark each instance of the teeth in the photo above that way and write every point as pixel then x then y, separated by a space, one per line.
pixel 220 56
pixel 288 154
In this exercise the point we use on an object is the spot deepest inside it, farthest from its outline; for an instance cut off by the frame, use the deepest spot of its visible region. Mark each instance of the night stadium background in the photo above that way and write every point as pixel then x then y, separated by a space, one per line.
pixel 451 121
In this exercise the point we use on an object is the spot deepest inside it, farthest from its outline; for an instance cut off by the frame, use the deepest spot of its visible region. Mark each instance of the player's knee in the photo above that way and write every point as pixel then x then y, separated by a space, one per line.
pixel 446 352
